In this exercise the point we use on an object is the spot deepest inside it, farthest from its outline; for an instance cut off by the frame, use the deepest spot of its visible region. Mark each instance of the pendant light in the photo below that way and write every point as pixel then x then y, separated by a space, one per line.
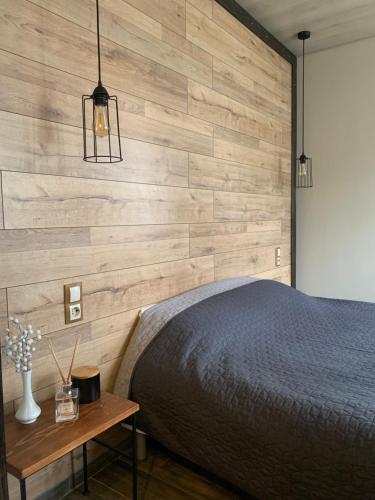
pixel 101 141
pixel 304 163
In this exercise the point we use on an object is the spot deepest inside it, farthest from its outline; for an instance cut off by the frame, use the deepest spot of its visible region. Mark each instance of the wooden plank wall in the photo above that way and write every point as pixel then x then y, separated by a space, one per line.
pixel 204 191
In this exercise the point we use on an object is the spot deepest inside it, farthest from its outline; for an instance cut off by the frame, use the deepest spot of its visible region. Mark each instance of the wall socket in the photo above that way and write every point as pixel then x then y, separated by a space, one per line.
pixel 277 256
pixel 73 303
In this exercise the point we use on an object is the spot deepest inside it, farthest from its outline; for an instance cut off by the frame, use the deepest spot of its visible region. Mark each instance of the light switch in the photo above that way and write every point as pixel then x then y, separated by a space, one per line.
pixel 75 293
pixel 277 256
pixel 73 302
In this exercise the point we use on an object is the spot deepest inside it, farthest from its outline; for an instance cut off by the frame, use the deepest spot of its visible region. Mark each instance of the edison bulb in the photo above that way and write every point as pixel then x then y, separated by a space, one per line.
pixel 100 124
pixel 302 169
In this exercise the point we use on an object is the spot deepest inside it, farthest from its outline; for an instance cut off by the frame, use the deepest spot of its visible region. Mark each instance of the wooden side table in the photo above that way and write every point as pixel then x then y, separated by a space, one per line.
pixel 32 447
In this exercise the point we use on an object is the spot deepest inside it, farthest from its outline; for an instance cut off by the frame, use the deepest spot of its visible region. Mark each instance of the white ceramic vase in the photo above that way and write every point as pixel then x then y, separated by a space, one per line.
pixel 28 410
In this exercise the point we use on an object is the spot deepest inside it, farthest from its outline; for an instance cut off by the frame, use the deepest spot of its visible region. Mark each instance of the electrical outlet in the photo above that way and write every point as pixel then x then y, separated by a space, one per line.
pixel 74 312
pixel 73 302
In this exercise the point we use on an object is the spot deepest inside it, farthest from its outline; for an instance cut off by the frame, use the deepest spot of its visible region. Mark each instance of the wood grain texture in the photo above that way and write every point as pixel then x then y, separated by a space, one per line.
pixel 219 237
pixel 32 447
pixel 36 146
pixel 241 148
pixel 249 262
pixel 205 6
pixel 246 37
pixel 102 343
pixel 171 14
pixel 109 293
pixel 246 207
pixel 184 45
pixel 205 32
pixel 222 175
pixel 203 191
pixel 24 82
pixel 208 104
pixel 31 256
pixel 231 83
pixel 57 36
pixel 38 201
pixel 121 26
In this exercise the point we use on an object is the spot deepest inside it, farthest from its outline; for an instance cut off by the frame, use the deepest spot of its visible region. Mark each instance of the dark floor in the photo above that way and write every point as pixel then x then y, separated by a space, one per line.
pixel 161 477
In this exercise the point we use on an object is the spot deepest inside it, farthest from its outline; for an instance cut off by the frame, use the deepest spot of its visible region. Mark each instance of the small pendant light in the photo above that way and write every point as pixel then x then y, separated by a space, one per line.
pixel 101 141
pixel 304 163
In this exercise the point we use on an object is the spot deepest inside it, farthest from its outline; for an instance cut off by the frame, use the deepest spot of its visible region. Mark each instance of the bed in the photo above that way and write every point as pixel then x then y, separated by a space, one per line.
pixel 268 388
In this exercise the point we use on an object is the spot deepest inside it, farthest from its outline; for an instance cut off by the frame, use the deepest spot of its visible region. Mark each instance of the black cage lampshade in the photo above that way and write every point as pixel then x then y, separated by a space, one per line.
pixel 304 178
pixel 101 127
pixel 304 172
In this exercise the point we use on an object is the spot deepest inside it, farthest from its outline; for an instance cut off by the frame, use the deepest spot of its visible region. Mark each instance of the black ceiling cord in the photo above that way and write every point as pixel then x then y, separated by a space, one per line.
pixel 103 135
pixel 304 163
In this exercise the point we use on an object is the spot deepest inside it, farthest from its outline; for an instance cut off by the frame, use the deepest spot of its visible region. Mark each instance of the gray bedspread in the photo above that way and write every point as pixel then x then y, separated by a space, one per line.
pixel 269 388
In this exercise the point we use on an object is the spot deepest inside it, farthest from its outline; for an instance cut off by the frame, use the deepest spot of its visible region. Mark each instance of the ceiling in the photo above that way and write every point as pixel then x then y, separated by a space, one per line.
pixel 331 22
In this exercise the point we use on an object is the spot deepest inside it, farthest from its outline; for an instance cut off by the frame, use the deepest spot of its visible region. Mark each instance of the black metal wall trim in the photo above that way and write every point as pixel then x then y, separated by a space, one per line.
pixel 252 24
pixel 3 468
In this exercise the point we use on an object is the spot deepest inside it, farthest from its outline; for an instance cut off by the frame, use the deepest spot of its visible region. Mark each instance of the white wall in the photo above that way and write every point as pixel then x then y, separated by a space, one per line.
pixel 336 218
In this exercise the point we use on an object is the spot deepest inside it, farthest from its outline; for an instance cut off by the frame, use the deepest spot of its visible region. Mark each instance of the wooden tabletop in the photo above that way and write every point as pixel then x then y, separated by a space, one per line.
pixel 33 446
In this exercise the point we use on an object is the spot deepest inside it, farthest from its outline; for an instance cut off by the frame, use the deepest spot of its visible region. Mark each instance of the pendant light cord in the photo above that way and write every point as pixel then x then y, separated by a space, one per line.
pixel 303 98
pixel 98 40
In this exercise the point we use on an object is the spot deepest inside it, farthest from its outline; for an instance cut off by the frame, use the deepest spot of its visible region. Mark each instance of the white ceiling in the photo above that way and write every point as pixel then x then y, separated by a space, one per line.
pixel 331 22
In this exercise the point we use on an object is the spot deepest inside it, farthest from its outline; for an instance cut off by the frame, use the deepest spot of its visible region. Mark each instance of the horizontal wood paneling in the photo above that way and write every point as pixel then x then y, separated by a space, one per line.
pixel 206 33
pixel 249 262
pixel 231 145
pixel 38 201
pixel 245 207
pixel 171 14
pixel 203 192
pixel 215 107
pixel 24 81
pixel 218 237
pixel 101 342
pixel 121 26
pixel 232 83
pixel 213 173
pixel 205 6
pixel 189 48
pixel 70 48
pixel 109 293
pixel 246 37
pixel 36 146
pixel 30 256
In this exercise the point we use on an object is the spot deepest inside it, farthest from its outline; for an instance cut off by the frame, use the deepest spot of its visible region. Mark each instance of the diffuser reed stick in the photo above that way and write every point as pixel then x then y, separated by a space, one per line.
pixel 69 379
pixel 56 361
pixel 66 380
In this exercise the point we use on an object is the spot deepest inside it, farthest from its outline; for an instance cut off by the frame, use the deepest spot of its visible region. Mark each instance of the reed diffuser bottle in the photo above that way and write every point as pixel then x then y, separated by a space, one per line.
pixel 66 397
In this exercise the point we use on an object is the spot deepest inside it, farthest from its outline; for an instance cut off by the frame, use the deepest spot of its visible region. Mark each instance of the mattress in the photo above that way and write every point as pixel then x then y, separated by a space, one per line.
pixel 262 385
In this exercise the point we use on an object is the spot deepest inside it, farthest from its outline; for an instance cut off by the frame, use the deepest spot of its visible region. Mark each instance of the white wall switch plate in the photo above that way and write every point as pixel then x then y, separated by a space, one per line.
pixel 75 293
pixel 73 302
pixel 277 256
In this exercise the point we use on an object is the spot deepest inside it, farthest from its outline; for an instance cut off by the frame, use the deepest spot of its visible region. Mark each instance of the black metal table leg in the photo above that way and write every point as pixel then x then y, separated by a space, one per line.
pixel 135 463
pixel 23 489
pixel 85 475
